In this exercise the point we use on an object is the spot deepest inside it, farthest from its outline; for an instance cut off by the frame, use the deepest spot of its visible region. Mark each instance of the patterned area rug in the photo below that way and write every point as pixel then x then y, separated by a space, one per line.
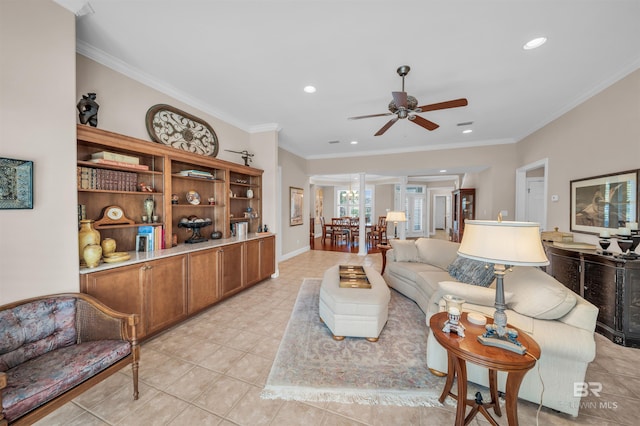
pixel 311 366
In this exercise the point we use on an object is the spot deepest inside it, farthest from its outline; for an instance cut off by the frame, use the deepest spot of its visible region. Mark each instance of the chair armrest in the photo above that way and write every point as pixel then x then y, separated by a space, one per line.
pixel 96 321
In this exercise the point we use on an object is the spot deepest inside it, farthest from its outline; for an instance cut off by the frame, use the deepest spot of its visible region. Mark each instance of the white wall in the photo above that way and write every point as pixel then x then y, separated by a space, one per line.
pixel 39 247
pixel 295 239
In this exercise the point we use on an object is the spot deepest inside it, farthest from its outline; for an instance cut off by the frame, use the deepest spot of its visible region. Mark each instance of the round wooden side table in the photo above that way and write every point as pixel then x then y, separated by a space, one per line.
pixel 461 350
pixel 383 250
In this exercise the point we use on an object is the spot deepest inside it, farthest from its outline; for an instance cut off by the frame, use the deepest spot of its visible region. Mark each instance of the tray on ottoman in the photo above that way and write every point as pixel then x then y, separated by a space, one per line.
pixel 353 276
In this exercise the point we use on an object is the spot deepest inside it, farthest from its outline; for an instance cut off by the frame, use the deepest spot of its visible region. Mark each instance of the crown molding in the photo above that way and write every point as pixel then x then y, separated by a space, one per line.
pixel 116 64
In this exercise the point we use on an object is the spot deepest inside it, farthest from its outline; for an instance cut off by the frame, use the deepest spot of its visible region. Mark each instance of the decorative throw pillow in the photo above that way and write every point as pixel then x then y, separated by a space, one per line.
pixel 472 271
pixel 537 294
pixel 405 250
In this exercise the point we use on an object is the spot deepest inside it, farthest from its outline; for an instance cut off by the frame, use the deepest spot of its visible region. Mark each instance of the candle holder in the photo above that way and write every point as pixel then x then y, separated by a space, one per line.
pixel 605 243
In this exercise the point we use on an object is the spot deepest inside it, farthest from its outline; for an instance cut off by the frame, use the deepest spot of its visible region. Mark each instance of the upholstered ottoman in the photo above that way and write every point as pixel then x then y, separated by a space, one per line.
pixel 354 312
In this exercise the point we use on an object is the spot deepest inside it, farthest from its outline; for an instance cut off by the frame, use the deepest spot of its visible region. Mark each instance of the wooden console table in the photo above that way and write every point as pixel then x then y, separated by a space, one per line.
pixel 468 348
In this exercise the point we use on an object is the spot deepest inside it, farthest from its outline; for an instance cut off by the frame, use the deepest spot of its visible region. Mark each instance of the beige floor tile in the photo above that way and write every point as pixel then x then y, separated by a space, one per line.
pixel 158 410
pixel 222 395
pixel 250 368
pixel 105 388
pixel 193 383
pixel 62 416
pixel 298 413
pixel 222 359
pixel 120 403
pixel 195 416
pixel 252 410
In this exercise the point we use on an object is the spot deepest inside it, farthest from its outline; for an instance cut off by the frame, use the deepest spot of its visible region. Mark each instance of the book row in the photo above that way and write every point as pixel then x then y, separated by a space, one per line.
pixel 110 180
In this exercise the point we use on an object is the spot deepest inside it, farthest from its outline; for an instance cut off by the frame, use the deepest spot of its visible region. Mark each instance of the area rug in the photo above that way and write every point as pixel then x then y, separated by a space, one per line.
pixel 311 366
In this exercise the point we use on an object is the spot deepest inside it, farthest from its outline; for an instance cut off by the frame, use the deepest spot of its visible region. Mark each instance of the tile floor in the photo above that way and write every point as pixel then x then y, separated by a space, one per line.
pixel 210 370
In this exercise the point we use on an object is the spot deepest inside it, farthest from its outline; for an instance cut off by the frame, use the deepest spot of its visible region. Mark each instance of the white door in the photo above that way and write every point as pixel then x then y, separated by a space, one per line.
pixel 534 210
pixel 415 210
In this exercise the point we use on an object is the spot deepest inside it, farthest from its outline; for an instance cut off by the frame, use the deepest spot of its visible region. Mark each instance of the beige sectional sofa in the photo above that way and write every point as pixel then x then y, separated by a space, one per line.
pixel 560 321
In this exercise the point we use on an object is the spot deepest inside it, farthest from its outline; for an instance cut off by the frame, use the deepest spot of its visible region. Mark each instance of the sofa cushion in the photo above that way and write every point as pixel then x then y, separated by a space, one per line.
pixel 405 250
pixel 477 295
pixel 472 271
pixel 537 294
pixel 43 378
pixel 436 252
pixel 35 328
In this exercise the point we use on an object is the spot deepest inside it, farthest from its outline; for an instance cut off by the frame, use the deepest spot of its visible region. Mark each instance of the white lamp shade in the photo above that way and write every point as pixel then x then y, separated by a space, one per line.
pixel 507 243
pixel 396 217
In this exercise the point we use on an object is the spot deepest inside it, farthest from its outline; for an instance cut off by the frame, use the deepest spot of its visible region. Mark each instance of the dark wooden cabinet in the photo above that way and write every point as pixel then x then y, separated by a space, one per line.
pixel 463 208
pixel 611 283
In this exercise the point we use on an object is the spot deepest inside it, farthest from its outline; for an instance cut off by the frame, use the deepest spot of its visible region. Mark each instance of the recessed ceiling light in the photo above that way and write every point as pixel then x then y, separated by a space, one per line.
pixel 309 89
pixel 536 42
pixel 443 171
pixel 354 142
pixel 467 131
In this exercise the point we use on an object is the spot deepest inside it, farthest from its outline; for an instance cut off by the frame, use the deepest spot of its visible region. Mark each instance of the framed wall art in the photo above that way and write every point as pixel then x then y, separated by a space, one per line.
pixel 604 203
pixel 296 196
pixel 16 184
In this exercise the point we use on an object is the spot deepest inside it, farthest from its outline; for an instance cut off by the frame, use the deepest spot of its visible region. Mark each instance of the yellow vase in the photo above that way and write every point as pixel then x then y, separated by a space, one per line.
pixel 108 246
pixel 92 253
pixel 87 235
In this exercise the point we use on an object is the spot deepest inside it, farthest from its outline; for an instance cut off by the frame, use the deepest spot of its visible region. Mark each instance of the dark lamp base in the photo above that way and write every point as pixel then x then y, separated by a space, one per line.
pixel 509 341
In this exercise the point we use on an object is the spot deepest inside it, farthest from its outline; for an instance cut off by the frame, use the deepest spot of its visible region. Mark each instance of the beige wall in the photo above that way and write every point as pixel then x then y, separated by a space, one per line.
pixel 39 247
pixel 295 239
pixel 600 136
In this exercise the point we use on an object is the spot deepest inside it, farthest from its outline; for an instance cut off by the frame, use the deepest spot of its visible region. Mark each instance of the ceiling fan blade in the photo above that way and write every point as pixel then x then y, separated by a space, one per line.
pixel 369 116
pixel 429 125
pixel 400 99
pixel 444 105
pixel 386 126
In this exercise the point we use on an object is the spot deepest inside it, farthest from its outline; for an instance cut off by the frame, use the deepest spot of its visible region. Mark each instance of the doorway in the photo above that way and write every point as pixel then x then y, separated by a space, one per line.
pixel 530 206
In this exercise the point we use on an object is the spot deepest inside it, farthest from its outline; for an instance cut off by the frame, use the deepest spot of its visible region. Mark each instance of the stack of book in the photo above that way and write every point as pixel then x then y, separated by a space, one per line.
pixel 115 159
pixel 197 173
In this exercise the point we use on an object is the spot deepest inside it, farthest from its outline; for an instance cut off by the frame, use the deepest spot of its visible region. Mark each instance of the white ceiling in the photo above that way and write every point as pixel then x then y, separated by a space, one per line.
pixel 246 62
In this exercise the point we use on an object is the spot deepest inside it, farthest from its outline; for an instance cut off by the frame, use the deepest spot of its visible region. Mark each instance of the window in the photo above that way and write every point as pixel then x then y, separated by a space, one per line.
pixel 348 202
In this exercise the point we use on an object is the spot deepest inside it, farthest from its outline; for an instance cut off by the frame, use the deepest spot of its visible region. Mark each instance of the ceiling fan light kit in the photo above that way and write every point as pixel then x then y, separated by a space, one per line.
pixel 406 106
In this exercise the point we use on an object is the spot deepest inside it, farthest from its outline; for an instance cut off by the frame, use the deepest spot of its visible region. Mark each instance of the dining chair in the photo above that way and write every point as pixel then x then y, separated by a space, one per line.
pixel 327 230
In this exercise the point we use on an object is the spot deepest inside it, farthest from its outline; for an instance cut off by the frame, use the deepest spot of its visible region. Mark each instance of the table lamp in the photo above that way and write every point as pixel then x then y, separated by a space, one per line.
pixel 396 217
pixel 504 244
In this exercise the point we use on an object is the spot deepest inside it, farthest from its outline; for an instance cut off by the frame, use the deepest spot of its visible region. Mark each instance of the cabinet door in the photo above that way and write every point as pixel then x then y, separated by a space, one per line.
pixel 232 266
pixel 632 302
pixel 203 279
pixel 120 289
pixel 252 261
pixel 567 271
pixel 267 257
pixel 165 292
pixel 600 289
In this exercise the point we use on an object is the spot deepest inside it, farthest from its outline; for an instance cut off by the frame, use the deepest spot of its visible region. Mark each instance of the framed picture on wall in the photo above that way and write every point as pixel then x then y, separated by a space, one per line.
pixel 604 203
pixel 295 205
pixel 16 184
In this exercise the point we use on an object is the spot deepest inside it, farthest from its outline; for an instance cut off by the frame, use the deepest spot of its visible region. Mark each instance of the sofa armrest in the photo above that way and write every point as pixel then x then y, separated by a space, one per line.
pixel 96 321
pixel 583 315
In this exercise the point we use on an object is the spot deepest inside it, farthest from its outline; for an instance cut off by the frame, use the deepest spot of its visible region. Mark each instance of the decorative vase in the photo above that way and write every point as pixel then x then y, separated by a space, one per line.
pixel 87 235
pixel 249 193
pixel 108 246
pixel 149 204
pixel 92 253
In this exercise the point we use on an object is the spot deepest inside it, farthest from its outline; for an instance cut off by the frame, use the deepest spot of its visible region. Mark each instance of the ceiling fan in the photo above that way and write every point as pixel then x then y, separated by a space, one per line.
pixel 405 106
